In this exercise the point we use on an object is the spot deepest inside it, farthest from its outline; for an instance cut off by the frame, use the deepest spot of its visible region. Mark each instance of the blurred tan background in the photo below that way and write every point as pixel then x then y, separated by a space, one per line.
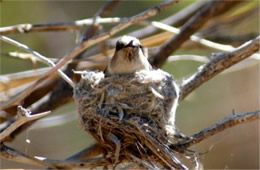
pixel 235 148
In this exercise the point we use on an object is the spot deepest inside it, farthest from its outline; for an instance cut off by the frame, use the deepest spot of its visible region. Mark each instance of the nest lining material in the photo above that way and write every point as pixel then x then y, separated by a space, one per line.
pixel 130 114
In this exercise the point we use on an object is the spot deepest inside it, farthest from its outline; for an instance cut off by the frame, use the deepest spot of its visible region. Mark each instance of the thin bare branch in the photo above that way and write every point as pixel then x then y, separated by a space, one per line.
pixel 197 58
pixel 203 59
pixel 220 26
pixel 38 55
pixel 83 45
pixel 13 155
pixel 190 27
pixel 228 122
pixel 195 38
pixel 16 79
pixel 65 26
pixel 176 20
pixel 23 116
pixel 89 152
pixel 202 41
pixel 219 63
pixel 234 40
pixel 62 26
pixel 108 8
pixel 104 11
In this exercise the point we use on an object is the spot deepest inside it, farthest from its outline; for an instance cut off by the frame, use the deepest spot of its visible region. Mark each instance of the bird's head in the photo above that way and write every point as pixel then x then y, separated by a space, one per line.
pixel 130 48
pixel 130 56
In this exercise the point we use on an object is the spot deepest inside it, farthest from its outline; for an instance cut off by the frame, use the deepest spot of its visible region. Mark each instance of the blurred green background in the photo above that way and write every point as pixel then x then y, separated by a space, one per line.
pixel 235 148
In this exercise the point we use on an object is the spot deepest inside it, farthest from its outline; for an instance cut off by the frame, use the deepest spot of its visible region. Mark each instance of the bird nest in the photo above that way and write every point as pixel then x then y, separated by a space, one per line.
pixel 131 116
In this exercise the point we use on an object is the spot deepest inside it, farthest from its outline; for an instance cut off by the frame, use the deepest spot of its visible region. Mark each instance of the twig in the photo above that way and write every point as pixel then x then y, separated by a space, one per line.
pixel 27 56
pixel 12 80
pixel 176 20
pixel 197 58
pixel 108 8
pixel 38 55
pixel 62 26
pixel 219 63
pixel 228 122
pixel 239 66
pixel 190 27
pixel 13 155
pixel 83 45
pixel 23 116
pixel 195 38
pixel 104 11
pixel 231 39
pixel 231 21
pixel 89 152
pixel 202 41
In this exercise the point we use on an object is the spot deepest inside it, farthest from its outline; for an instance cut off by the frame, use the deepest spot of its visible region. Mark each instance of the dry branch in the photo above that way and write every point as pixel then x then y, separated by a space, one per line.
pixel 13 155
pixel 81 159
pixel 38 55
pixel 219 63
pixel 63 26
pixel 176 20
pixel 228 122
pixel 23 116
pixel 190 27
pixel 83 45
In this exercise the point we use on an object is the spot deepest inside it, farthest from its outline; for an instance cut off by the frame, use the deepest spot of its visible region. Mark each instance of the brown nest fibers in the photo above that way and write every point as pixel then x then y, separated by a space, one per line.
pixel 131 116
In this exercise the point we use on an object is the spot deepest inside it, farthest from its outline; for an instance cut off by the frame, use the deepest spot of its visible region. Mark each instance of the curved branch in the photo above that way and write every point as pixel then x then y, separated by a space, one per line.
pixel 195 23
pixel 219 63
pixel 220 126
pixel 13 155
pixel 39 56
pixel 23 116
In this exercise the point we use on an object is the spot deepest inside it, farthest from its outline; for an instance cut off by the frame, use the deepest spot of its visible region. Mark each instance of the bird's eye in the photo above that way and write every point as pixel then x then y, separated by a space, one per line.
pixel 119 46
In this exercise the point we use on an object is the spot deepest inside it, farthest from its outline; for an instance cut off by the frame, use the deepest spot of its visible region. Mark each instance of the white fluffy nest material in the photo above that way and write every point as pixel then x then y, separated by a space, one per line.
pixel 131 116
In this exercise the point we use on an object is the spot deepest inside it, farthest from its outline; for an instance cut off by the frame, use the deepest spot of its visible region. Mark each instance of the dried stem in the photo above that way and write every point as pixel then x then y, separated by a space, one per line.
pixel 219 63
pixel 228 122
pixel 23 116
